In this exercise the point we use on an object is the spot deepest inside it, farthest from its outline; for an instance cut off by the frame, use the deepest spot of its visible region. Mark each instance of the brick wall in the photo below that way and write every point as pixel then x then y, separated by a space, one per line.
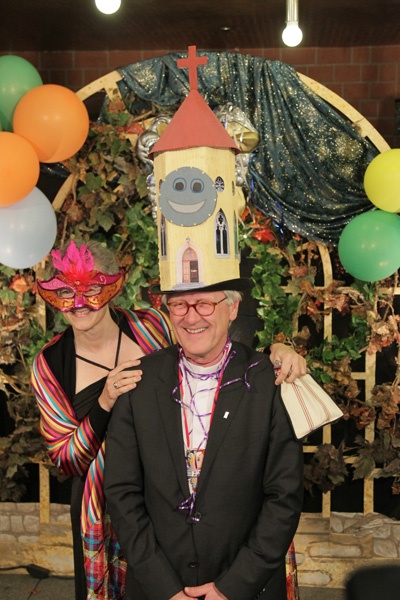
pixel 367 77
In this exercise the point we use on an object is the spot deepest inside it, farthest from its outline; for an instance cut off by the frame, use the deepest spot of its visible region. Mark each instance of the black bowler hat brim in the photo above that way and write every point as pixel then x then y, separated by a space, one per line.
pixel 240 284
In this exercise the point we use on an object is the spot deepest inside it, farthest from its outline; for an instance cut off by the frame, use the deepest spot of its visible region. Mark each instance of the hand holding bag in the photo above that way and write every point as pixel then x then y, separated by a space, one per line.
pixel 308 405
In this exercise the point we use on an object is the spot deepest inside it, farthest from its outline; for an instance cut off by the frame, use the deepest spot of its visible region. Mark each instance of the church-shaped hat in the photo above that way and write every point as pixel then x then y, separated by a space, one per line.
pixel 198 201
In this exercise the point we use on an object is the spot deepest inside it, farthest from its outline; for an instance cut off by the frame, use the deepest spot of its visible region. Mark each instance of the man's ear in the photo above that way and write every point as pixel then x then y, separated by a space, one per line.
pixel 234 310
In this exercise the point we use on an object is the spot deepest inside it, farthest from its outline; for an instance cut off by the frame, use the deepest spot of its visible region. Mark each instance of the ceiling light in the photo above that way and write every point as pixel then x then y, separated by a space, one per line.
pixel 108 7
pixel 292 34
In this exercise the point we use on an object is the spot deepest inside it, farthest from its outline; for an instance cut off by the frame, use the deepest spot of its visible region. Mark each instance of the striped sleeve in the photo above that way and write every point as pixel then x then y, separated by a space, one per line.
pixel 151 328
pixel 71 445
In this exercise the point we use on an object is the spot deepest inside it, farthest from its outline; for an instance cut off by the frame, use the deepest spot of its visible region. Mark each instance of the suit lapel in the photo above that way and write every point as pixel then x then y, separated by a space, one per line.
pixel 170 411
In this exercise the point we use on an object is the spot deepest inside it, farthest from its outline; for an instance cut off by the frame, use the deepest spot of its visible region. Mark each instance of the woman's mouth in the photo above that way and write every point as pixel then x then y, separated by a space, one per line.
pixel 81 312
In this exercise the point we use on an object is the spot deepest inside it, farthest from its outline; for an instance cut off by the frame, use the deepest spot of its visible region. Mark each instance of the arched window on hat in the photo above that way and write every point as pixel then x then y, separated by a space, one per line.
pixel 221 234
pixel 163 237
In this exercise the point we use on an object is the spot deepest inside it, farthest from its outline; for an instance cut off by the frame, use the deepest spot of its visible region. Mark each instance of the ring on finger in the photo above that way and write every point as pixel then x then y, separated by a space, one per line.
pixel 115 384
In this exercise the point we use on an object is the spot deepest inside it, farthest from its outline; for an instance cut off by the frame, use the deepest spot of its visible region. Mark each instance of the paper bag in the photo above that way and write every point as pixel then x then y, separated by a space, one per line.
pixel 308 405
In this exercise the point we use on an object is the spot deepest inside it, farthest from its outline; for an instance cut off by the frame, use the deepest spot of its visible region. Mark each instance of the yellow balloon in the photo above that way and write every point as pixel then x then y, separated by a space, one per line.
pixel 382 180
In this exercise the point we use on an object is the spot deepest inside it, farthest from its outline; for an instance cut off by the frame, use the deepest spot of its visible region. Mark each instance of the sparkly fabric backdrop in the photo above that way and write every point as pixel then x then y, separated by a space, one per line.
pixel 307 172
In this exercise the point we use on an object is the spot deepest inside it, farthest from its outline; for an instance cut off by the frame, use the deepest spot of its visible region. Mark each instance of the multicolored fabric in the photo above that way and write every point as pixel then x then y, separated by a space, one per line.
pixel 292 584
pixel 105 566
pixel 75 449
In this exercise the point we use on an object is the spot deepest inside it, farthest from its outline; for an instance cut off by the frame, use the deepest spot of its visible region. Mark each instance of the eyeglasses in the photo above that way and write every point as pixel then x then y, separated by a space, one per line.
pixel 203 307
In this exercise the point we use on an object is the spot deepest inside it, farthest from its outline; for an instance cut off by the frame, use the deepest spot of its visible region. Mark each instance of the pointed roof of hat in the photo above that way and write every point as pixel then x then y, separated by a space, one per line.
pixel 194 123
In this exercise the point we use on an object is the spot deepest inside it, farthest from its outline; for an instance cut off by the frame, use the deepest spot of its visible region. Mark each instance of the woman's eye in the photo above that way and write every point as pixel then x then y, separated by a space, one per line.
pixel 65 293
pixel 94 290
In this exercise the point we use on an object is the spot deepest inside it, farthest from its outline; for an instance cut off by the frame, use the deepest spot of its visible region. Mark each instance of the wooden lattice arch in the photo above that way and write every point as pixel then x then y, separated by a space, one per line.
pixel 108 85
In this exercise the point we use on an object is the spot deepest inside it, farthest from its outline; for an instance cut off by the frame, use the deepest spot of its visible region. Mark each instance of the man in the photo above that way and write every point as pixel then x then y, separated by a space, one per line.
pixel 203 476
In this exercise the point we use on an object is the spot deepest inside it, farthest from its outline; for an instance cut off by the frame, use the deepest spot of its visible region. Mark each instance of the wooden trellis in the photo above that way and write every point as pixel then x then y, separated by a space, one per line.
pixel 368 376
pixel 108 85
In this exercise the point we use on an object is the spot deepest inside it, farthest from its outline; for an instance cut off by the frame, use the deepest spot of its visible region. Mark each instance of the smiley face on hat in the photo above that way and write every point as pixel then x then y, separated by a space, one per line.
pixel 187 196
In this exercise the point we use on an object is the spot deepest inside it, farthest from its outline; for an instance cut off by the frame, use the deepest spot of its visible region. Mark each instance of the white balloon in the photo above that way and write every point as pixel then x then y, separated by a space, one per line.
pixel 28 231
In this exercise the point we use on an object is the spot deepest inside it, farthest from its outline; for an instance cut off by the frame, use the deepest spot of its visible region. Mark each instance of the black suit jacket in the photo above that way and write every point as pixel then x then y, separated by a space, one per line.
pixel 249 494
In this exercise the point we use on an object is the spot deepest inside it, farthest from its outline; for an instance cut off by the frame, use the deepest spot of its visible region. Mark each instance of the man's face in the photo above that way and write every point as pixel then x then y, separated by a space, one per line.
pixel 203 338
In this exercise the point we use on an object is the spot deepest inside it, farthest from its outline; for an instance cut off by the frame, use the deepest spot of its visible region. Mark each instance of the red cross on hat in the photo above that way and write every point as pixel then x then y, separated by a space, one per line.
pixel 192 62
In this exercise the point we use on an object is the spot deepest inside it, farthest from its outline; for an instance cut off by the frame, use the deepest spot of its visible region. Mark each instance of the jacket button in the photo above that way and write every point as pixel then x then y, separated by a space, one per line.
pixel 193 564
pixel 198 516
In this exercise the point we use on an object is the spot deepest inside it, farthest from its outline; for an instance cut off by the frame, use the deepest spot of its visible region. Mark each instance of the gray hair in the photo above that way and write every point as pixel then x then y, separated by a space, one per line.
pixel 232 296
pixel 103 256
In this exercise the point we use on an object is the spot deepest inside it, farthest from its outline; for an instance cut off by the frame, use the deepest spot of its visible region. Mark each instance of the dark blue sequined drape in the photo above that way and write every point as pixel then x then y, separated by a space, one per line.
pixel 307 173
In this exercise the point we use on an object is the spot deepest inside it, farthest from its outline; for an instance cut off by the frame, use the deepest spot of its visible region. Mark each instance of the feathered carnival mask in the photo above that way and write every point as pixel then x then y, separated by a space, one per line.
pixel 78 284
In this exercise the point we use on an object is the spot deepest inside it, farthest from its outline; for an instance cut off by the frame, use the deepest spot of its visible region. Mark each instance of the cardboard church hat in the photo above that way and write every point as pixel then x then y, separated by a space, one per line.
pixel 240 284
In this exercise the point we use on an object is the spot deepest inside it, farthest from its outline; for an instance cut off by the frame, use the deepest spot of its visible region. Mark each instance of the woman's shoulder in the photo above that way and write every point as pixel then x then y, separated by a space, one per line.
pixel 145 314
pixel 55 349
pixel 58 340
pixel 151 327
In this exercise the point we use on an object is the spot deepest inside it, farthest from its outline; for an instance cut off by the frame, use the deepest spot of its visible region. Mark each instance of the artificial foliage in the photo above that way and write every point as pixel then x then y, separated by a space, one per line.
pixel 109 202
pixel 292 307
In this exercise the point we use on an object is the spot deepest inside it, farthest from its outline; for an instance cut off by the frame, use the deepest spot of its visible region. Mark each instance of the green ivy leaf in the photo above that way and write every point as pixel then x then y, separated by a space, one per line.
pixel 141 185
pixel 363 465
pixel 93 182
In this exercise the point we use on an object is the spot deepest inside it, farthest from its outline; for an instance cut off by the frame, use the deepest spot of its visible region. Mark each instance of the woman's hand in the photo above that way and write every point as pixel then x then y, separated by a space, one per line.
pixel 291 366
pixel 120 380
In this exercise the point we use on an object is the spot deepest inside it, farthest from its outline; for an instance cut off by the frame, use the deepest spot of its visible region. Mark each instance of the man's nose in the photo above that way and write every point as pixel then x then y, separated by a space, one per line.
pixel 192 315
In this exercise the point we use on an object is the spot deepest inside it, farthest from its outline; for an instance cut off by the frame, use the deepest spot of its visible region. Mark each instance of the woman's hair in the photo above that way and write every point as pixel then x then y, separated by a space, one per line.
pixel 103 257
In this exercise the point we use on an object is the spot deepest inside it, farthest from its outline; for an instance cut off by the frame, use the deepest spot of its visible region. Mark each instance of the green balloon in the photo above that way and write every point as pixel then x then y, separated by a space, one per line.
pixel 369 246
pixel 17 76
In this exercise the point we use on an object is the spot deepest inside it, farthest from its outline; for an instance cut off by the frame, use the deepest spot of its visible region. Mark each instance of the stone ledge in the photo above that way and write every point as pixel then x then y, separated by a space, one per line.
pixel 328 549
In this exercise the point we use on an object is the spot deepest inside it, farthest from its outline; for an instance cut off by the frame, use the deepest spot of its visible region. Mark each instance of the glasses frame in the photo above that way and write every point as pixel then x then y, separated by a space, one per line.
pixel 188 306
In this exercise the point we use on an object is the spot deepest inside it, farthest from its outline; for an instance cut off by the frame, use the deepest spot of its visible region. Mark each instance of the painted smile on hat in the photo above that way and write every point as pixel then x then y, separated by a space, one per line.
pixel 186 208
pixel 187 196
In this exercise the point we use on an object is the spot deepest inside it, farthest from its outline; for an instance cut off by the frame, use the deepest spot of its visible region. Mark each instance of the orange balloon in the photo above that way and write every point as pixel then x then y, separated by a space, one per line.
pixel 19 168
pixel 54 120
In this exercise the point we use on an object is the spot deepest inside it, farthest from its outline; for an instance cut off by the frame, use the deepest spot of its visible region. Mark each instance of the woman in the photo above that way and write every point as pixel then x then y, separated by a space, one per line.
pixel 77 378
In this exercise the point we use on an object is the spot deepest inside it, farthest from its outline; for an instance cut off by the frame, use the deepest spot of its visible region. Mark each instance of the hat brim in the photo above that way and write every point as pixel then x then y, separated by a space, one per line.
pixel 240 284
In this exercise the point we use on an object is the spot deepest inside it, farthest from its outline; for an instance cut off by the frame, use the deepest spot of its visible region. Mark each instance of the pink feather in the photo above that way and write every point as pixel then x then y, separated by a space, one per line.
pixel 77 264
